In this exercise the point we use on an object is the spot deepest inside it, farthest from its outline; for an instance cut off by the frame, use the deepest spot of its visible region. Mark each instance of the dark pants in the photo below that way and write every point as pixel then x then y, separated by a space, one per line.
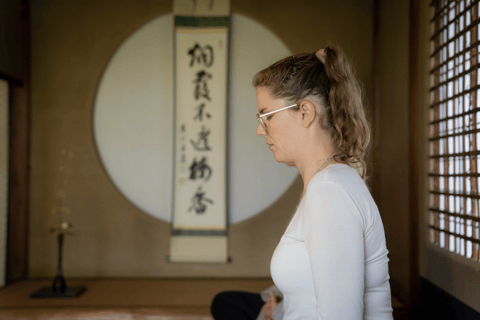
pixel 236 305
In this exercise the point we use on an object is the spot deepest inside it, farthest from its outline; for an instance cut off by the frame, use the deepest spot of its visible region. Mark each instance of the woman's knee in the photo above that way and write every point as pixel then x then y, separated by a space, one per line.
pixel 222 298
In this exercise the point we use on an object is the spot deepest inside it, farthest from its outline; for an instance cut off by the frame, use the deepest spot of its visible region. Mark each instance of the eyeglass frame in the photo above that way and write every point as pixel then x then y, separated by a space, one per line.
pixel 259 116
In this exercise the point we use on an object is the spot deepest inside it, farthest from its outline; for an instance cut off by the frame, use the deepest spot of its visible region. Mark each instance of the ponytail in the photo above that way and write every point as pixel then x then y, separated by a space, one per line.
pixel 351 134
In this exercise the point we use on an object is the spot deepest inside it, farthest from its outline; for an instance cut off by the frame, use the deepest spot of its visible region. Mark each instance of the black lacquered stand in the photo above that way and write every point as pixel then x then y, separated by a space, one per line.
pixel 59 287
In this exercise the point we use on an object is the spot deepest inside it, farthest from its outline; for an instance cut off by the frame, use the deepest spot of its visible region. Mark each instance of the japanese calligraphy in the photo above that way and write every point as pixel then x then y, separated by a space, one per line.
pixel 195 167
pixel 202 143
pixel 201 55
pixel 199 201
pixel 182 140
pixel 200 170
pixel 201 88
pixel 199 114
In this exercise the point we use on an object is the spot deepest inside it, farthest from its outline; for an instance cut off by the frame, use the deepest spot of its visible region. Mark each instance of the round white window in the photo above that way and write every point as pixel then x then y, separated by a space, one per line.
pixel 133 120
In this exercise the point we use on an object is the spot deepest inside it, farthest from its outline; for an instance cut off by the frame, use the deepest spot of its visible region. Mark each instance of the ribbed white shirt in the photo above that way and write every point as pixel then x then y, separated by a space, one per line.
pixel 331 263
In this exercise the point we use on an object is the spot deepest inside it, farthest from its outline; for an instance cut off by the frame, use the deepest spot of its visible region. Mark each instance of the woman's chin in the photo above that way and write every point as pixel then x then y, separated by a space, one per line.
pixel 281 159
pixel 278 158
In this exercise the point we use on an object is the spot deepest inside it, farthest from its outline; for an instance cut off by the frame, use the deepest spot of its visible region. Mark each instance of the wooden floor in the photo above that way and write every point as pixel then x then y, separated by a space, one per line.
pixel 104 314
pixel 136 299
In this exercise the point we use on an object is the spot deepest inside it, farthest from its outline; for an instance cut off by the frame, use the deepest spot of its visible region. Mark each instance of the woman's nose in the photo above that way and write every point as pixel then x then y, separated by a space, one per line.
pixel 260 130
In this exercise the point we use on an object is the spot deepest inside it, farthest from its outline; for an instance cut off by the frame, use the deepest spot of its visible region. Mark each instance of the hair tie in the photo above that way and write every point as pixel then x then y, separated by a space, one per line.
pixel 321 55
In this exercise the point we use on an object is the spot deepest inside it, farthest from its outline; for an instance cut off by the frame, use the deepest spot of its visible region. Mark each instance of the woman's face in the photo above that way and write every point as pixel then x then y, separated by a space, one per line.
pixel 282 127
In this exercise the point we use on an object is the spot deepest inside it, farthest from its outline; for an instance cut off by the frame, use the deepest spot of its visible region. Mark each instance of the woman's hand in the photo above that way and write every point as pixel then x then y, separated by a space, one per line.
pixel 269 306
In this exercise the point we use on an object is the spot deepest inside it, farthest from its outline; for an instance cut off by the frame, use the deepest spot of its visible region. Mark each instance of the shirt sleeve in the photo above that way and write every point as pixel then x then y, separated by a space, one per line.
pixel 278 311
pixel 265 293
pixel 333 228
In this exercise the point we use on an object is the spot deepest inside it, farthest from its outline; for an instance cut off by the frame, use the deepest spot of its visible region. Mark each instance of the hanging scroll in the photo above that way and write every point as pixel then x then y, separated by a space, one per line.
pixel 199 218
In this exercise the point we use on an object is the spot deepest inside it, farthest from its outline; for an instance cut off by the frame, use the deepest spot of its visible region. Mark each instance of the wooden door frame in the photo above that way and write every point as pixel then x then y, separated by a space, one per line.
pixel 19 163
pixel 414 156
pixel 414 25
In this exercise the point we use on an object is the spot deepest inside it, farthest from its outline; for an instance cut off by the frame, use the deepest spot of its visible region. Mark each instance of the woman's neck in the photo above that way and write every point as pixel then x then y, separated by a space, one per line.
pixel 310 162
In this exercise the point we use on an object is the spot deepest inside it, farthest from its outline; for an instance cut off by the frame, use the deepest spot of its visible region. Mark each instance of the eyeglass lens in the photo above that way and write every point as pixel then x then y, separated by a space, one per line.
pixel 261 122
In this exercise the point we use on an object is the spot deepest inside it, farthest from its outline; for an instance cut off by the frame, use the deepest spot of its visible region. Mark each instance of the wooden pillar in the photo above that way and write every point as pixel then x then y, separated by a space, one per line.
pixel 413 150
pixel 17 248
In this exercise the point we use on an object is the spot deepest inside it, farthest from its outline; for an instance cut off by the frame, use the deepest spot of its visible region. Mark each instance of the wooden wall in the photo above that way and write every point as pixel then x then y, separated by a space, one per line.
pixel 393 155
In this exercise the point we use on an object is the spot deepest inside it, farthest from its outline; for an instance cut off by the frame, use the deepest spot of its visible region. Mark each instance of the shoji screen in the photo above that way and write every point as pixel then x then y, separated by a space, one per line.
pixel 455 127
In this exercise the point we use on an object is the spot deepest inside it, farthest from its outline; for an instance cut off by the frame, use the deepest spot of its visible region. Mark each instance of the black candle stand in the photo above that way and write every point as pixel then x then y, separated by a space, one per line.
pixel 59 287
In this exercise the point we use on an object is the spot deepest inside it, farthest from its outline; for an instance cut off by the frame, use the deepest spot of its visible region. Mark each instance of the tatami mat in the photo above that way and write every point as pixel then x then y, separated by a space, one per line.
pixel 130 293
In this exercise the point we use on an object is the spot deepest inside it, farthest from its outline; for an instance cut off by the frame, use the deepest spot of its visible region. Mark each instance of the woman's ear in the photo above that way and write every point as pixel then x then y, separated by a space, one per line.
pixel 307 110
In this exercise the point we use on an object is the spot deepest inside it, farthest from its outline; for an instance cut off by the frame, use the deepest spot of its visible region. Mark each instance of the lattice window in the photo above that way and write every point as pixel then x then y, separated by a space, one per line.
pixel 455 127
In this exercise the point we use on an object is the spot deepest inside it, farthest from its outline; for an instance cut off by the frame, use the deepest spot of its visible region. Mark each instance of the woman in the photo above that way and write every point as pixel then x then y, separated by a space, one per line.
pixel 331 262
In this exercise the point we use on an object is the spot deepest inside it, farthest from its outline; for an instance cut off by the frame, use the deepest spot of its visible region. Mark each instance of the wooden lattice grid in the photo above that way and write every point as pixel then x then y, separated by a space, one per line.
pixel 454 141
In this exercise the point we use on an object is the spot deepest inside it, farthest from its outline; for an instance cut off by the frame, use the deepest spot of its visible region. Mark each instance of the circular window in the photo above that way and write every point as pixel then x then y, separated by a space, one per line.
pixel 133 120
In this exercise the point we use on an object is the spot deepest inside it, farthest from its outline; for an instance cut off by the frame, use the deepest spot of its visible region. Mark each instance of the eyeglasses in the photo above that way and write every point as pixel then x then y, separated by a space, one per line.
pixel 259 116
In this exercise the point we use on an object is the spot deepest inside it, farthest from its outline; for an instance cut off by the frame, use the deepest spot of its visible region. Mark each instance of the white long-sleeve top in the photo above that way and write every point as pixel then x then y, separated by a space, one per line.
pixel 331 263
